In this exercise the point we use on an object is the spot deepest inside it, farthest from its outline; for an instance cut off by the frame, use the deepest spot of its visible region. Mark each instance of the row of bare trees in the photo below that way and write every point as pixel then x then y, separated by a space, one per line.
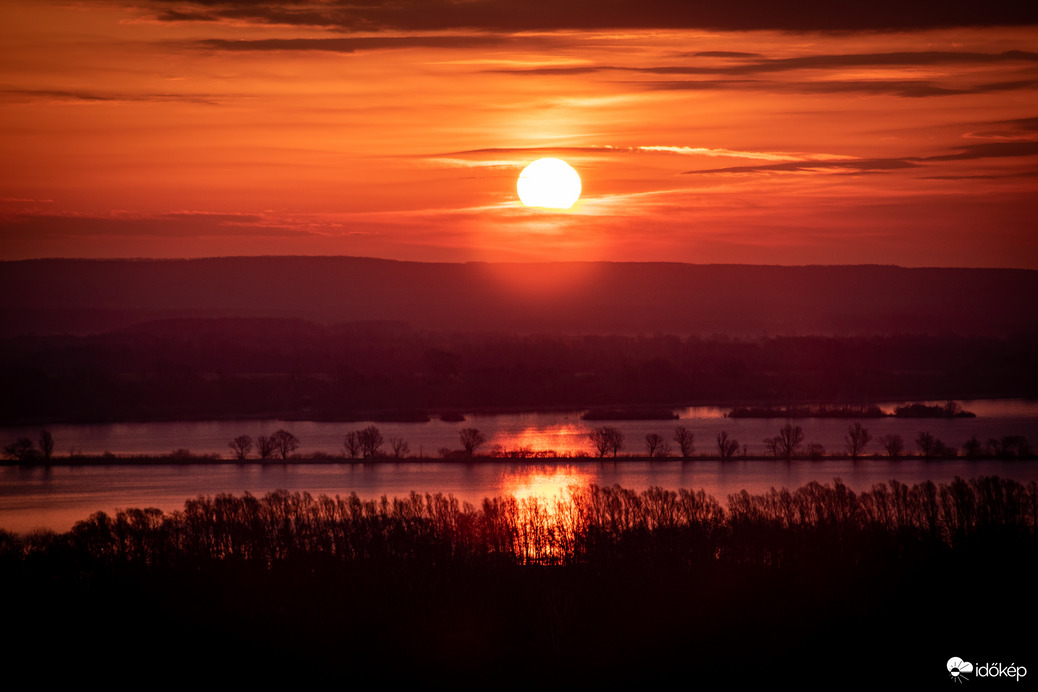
pixel 588 521
pixel 607 439
pixel 789 443
pixel 281 444
pixel 790 438
pixel 24 451
pixel 367 443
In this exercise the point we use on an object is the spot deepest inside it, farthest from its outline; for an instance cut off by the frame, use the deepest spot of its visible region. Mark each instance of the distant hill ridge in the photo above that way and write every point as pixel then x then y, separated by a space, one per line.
pixel 84 296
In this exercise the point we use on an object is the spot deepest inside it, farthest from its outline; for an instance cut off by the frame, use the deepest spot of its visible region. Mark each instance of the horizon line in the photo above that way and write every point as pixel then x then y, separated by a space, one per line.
pixel 461 263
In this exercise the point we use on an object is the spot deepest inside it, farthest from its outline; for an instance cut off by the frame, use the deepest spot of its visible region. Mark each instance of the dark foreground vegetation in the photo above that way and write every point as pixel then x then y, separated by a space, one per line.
pixel 816 586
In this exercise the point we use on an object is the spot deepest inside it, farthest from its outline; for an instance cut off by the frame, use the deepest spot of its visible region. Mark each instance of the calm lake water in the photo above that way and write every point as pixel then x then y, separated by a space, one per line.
pixel 56 498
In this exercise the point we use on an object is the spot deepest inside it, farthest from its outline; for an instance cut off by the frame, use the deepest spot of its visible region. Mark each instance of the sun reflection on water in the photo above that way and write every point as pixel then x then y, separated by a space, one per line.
pixel 540 501
pixel 562 439
pixel 546 484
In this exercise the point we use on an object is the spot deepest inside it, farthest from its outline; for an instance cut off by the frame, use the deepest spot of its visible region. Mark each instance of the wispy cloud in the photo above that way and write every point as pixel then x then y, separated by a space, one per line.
pixel 730 153
pixel 524 153
pixel 356 44
pixel 33 95
pixel 964 153
pixel 162 225
pixel 1017 129
pixel 458 162
pixel 826 73
pixel 990 150
pixel 862 165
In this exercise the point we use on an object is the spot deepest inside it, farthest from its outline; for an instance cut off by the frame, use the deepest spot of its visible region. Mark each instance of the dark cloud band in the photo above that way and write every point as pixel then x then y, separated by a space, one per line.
pixel 536 15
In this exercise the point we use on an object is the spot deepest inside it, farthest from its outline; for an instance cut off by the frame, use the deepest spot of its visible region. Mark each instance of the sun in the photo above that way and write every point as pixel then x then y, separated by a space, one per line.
pixel 549 183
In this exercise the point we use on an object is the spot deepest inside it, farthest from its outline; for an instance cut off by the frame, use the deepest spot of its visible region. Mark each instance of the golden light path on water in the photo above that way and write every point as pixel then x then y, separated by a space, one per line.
pixel 562 439
pixel 545 484
pixel 541 503
pixel 541 494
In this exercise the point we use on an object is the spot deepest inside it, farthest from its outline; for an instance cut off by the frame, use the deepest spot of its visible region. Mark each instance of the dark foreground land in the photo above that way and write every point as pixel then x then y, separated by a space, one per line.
pixel 818 587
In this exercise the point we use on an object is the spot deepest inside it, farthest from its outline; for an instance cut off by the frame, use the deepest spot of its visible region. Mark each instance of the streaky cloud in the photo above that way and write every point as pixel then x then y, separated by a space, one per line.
pixel 733 153
pixel 984 176
pixel 908 88
pixel 990 150
pixel 862 165
pixel 352 44
pixel 92 97
pixel 525 150
pixel 725 54
pixel 459 156
pixel 471 158
pixel 167 225
pixel 986 150
pixel 759 64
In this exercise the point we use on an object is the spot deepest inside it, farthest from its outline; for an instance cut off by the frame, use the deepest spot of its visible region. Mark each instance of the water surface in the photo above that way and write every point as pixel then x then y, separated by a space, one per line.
pixel 55 498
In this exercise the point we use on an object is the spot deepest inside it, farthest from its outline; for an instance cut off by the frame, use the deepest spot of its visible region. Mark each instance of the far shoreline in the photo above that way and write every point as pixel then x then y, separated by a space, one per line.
pixel 735 408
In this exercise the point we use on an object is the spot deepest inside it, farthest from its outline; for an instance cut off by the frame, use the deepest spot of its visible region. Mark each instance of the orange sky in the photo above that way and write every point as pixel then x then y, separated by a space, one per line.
pixel 143 128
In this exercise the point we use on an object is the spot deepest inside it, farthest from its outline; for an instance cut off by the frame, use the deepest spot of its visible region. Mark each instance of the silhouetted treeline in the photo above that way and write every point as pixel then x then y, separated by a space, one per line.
pixel 606 584
pixel 590 525
pixel 296 369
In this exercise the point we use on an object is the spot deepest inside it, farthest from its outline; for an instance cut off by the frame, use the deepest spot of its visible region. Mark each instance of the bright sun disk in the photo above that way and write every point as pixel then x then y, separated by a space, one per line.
pixel 549 183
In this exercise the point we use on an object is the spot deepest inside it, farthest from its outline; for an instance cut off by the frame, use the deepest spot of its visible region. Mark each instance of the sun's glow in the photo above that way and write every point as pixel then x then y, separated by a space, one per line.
pixel 549 183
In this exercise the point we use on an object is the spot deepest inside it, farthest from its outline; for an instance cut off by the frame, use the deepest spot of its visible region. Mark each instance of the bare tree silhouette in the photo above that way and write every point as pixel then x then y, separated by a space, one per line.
pixel 856 440
pixel 686 441
pixel 241 446
pixel 726 446
pixel 21 450
pixel 600 439
pixel 607 439
pixel 785 445
pixel 929 446
pixel 399 446
pixel 656 445
pixel 265 446
pixel 893 445
pixel 46 444
pixel 370 440
pixel 471 440
pixel 973 448
pixel 1010 447
pixel 352 444
pixel 284 443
